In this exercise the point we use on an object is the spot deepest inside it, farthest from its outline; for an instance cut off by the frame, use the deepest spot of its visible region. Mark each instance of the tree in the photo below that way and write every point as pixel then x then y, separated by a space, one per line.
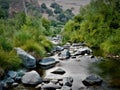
pixel 50 12
pixel 55 5
pixel 58 10
pixel 43 5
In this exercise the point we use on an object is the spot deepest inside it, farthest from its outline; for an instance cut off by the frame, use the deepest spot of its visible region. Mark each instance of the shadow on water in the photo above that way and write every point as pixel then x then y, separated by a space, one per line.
pixel 108 69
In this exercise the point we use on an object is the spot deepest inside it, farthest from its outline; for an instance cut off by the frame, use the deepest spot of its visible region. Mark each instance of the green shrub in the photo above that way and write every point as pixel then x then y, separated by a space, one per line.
pixel 34 47
pixel 9 60
pixel 6 44
pixel 21 37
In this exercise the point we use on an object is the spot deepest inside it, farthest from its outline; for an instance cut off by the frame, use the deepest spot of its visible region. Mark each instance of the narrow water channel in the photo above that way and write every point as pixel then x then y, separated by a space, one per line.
pixel 78 68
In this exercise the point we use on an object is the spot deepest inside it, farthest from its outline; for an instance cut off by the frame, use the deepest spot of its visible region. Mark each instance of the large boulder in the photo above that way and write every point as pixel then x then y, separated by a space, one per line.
pixel 28 60
pixel 92 80
pixel 31 78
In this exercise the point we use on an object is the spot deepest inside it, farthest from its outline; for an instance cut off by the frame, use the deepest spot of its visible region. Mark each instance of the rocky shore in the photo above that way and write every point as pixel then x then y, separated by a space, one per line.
pixel 65 69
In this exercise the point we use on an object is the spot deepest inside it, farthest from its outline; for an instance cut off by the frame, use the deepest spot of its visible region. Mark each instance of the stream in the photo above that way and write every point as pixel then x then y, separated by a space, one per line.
pixel 78 68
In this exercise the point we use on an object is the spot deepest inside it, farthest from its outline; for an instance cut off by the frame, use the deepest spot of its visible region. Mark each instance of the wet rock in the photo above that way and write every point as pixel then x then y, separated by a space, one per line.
pixel 14 84
pixel 66 88
pixel 65 54
pixel 31 78
pixel 12 74
pixel 54 81
pixel 67 81
pixel 9 80
pixel 47 62
pixel 61 83
pixel 21 72
pixel 28 60
pixel 50 86
pixel 46 80
pixel 66 46
pixel 79 53
pixel 1 86
pixel 18 79
pixel 83 51
pixel 73 56
pixel 92 80
pixel 57 49
pixel 91 56
pixel 38 86
pixel 59 71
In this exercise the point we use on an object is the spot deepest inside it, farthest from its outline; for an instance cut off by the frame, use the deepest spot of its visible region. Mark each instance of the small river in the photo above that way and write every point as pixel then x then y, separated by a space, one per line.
pixel 78 68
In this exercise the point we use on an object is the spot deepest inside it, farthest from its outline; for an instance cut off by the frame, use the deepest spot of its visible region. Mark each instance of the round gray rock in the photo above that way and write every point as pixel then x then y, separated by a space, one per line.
pixel 31 78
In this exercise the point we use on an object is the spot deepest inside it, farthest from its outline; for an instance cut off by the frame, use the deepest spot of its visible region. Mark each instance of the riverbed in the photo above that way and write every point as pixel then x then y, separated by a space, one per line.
pixel 77 68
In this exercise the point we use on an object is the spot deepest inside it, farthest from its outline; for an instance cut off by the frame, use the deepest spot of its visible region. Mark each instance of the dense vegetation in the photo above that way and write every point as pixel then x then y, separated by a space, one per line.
pixel 25 32
pixel 98 24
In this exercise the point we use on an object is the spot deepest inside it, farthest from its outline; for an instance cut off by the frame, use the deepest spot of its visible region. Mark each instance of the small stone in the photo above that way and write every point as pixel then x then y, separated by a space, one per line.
pixel 61 83
pixel 46 80
pixel 15 84
pixel 58 71
pixel 12 74
pixel 55 81
pixel 66 88
pixel 38 86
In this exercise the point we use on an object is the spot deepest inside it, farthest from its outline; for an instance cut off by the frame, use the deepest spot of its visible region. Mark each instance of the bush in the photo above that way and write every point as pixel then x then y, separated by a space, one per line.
pixel 43 5
pixel 6 44
pixel 9 60
pixel 55 5
pixel 34 48
pixel 58 10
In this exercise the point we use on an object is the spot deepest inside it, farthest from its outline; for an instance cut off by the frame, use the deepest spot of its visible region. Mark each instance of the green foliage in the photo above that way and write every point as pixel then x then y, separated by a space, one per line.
pixel 55 5
pixel 33 9
pixel 9 60
pixel 3 13
pixel 26 32
pixel 50 12
pixel 4 6
pixel 34 47
pixel 6 44
pixel 43 5
pixel 98 24
pixel 46 23
pixel 58 10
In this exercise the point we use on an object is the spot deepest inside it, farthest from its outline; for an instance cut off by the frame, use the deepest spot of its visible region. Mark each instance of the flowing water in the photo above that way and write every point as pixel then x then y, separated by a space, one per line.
pixel 78 68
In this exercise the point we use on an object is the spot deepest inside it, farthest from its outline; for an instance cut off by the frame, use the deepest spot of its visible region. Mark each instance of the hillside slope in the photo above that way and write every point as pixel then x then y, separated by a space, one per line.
pixel 75 4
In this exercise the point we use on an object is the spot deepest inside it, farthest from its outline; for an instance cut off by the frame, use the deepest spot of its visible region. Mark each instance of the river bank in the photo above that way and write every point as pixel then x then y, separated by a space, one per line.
pixel 77 66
